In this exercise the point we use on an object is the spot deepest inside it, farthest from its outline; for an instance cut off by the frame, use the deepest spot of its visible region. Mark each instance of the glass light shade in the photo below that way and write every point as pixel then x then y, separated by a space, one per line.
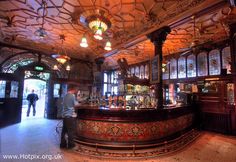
pixel 163 67
pixel 95 24
pixel 55 67
pixel 62 59
pixel 83 42
pixel 98 34
pixel 68 67
pixel 108 46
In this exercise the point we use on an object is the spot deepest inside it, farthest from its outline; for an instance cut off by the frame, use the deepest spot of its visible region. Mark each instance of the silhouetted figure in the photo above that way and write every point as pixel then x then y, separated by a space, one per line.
pixel 32 98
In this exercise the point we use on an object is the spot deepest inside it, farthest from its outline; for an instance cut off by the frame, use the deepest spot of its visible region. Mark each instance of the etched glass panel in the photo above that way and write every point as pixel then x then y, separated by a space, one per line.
pixel 166 71
pixel 202 64
pixel 191 66
pixel 226 59
pixel 214 62
pixel 182 67
pixel 173 69
pixel 147 71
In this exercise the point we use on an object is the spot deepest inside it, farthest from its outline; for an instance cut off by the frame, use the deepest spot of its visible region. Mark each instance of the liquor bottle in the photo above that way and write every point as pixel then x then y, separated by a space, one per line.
pixel 124 99
pixel 109 101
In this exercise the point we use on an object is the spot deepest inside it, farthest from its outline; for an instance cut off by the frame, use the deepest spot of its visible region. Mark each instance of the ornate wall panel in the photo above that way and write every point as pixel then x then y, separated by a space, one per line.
pixel 131 131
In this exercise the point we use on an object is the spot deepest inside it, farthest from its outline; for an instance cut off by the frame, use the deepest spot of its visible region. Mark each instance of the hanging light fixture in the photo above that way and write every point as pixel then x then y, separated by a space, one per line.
pixel 68 67
pixel 98 22
pixel 55 67
pixel 41 33
pixel 108 46
pixel 98 33
pixel 61 58
pixel 83 42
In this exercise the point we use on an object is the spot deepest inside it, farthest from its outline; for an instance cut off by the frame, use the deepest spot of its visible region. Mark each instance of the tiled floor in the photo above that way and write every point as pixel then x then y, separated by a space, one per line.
pixel 38 138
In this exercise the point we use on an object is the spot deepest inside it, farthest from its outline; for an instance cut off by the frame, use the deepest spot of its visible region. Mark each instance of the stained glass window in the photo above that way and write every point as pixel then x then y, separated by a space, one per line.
pixel 137 72
pixel 13 67
pixel 14 89
pixel 142 73
pixel 202 64
pixel 173 69
pixel 147 71
pixel 226 59
pixel 191 66
pixel 2 88
pixel 56 90
pixel 166 70
pixel 214 62
pixel 182 67
pixel 132 71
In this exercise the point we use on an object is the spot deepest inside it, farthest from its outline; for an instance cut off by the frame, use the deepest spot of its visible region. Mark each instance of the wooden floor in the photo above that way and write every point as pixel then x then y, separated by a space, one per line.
pixel 37 138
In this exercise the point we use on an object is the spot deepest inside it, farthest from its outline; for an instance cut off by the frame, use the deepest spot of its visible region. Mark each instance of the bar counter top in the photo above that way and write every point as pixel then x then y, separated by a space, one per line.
pixel 124 115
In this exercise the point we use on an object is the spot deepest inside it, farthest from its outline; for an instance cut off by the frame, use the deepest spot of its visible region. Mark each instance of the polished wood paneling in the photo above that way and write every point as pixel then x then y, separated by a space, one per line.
pixel 218 122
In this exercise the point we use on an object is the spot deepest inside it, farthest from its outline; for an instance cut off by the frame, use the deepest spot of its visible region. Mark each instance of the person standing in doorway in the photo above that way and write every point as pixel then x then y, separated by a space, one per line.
pixel 32 98
pixel 69 120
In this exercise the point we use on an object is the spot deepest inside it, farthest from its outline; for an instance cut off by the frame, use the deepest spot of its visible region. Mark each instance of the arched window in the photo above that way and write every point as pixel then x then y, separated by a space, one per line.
pixel 165 71
pixel 226 59
pixel 147 71
pixel 137 72
pixel 214 62
pixel 142 73
pixel 202 66
pixel 132 71
pixel 173 69
pixel 191 66
pixel 182 67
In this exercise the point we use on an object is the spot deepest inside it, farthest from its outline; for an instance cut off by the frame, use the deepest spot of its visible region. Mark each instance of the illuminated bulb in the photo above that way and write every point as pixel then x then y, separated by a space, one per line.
pixel 68 67
pixel 98 34
pixel 83 42
pixel 108 46
pixel 55 67
pixel 62 59
pixel 163 68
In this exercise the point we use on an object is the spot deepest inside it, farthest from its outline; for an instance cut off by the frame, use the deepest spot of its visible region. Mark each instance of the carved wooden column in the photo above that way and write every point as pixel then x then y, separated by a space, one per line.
pixel 98 74
pixel 158 37
pixel 233 70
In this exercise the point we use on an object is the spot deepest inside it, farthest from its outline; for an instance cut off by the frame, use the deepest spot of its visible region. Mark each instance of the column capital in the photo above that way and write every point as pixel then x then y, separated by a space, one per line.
pixel 159 36
pixel 99 60
pixel 232 28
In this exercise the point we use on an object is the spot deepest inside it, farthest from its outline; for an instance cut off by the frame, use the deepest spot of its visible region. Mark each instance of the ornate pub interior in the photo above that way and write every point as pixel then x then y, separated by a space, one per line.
pixel 155 80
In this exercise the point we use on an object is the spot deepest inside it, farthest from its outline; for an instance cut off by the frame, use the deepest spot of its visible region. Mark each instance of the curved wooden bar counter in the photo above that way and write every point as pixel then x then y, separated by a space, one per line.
pixel 117 127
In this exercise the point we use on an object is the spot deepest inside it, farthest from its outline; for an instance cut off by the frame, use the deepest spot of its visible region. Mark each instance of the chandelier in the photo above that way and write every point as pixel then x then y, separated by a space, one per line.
pixel 41 32
pixel 98 24
pixel 60 57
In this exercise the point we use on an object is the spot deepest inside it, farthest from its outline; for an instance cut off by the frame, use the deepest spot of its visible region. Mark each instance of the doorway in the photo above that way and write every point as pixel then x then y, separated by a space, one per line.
pixel 39 86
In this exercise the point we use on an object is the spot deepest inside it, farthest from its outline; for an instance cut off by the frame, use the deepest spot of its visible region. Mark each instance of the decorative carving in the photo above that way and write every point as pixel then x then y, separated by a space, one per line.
pixel 159 36
pixel 128 132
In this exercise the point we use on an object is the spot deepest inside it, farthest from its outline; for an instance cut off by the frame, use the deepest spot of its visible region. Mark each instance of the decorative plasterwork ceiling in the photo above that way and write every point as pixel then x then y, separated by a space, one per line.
pixel 19 19
pixel 210 27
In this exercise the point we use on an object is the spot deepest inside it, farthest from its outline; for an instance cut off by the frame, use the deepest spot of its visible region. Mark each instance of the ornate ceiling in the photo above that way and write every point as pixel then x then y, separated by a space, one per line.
pixel 130 20
pixel 209 28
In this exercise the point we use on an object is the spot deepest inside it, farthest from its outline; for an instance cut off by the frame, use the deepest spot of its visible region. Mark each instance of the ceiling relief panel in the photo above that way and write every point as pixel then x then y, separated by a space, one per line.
pixel 197 31
pixel 19 20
